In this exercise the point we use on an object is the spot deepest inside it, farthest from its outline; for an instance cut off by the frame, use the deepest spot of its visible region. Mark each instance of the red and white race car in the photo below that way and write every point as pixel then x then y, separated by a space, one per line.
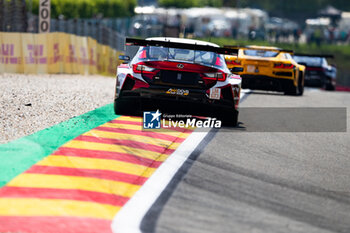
pixel 178 76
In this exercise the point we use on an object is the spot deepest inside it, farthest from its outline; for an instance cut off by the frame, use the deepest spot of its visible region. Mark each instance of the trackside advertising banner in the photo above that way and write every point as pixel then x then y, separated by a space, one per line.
pixel 54 53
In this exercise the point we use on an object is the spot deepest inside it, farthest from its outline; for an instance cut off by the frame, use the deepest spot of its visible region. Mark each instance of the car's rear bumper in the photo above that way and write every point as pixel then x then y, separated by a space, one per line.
pixel 196 103
pixel 262 82
pixel 315 80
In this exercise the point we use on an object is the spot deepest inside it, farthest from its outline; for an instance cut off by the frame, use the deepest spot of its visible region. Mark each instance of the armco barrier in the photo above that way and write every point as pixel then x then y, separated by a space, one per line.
pixel 55 53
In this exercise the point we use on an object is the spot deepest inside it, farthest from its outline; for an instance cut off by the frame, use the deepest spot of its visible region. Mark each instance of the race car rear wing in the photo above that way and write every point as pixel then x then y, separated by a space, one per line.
pixel 314 55
pixel 177 45
pixel 260 48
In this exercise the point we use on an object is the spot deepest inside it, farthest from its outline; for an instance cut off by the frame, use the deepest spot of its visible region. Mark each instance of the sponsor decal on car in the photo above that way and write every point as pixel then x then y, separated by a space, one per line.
pixel 180 66
pixel 252 69
pixel 215 93
pixel 174 91
pixel 236 92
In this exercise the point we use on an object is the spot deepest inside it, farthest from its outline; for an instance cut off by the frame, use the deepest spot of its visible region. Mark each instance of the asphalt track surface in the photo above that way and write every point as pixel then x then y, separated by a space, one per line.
pixel 244 179
pixel 262 181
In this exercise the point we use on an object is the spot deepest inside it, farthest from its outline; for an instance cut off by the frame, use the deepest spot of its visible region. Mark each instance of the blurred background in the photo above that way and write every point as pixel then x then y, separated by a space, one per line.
pixel 307 26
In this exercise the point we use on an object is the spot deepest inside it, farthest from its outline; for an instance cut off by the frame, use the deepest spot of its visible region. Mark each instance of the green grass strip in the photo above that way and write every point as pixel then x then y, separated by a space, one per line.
pixel 19 155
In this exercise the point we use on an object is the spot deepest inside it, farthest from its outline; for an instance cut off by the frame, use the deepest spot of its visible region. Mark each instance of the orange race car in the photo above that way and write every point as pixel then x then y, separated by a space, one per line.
pixel 267 68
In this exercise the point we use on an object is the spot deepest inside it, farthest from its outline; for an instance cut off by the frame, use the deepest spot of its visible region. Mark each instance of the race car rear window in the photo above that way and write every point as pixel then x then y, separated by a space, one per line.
pixel 309 61
pixel 175 54
pixel 260 53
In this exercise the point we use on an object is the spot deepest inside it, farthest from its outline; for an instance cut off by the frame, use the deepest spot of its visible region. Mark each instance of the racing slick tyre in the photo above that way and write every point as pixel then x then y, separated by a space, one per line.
pixel 122 107
pixel 229 118
pixel 301 84
pixel 295 90
pixel 329 87
pixel 292 90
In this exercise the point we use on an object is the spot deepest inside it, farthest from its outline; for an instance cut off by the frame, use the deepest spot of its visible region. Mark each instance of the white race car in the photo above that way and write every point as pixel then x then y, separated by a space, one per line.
pixel 190 76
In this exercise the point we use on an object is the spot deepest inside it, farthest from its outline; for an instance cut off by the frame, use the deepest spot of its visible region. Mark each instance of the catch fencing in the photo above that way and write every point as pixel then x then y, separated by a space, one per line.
pixel 15 16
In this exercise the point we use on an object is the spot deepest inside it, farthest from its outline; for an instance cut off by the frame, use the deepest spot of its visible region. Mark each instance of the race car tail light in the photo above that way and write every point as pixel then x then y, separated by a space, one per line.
pixel 142 69
pixel 218 76
pixel 315 68
pixel 234 62
pixel 283 66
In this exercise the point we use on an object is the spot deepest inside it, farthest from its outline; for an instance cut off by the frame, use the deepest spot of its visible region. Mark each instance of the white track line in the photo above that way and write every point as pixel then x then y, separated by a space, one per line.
pixel 129 218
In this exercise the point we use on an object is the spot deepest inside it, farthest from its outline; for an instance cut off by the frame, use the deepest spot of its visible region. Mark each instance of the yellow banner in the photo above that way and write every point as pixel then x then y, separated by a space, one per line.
pixel 11 56
pixel 92 45
pixel 55 53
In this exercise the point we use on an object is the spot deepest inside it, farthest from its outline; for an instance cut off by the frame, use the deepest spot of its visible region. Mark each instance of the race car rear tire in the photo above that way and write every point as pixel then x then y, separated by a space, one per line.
pixel 229 118
pixel 119 108
pixel 122 107
pixel 295 90
pixel 301 84
pixel 330 87
pixel 292 90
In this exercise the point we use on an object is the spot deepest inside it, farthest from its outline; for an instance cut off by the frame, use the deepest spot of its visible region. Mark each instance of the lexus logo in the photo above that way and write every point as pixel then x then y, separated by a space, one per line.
pixel 180 66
